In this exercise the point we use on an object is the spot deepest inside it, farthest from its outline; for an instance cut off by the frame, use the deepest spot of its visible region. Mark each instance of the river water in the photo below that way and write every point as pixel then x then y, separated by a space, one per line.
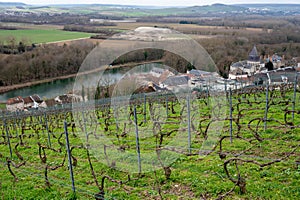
pixel 59 87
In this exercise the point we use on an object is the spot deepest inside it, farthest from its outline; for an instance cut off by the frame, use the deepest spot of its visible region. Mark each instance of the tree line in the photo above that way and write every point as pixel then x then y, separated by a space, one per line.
pixel 44 62
pixel 54 18
pixel 92 29
pixel 48 61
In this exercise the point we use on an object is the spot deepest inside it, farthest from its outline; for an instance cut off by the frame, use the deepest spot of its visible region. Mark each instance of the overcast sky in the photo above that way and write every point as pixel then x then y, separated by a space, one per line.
pixel 153 2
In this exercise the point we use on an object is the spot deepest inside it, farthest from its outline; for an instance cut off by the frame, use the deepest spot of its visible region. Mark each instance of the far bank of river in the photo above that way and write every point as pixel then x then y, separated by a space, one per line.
pixel 52 87
pixel 9 88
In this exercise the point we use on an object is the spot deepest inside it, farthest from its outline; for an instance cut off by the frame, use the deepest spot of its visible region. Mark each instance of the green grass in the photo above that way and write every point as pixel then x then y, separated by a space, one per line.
pixel 192 177
pixel 2 106
pixel 41 36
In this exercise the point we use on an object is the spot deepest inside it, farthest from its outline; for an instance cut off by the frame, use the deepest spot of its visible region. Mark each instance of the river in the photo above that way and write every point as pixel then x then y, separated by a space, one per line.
pixel 59 87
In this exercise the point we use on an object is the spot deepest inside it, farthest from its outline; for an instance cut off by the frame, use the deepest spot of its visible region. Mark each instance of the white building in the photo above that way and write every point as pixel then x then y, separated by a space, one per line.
pixel 247 67
pixel 15 104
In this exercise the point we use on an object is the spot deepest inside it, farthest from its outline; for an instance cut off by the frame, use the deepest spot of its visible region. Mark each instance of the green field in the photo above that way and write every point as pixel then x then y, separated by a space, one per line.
pixel 41 36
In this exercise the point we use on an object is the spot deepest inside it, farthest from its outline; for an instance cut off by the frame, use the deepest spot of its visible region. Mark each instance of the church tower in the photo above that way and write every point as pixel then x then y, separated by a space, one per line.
pixel 253 55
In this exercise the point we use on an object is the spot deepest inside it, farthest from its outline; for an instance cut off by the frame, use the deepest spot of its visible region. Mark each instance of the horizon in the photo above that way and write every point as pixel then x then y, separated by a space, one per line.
pixel 154 3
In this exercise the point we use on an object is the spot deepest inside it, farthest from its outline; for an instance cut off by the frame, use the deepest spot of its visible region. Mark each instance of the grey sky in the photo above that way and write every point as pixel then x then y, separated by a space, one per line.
pixel 154 2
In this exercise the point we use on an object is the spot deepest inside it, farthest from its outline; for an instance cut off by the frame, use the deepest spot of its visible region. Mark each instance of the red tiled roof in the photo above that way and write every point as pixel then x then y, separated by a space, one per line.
pixel 36 98
pixel 14 100
pixel 164 76
pixel 27 100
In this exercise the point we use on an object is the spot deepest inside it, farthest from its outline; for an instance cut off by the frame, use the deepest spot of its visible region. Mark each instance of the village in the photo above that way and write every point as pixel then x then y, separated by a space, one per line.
pixel 256 70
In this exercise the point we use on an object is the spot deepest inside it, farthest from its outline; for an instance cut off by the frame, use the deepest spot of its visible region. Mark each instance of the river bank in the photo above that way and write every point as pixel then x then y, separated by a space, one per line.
pixel 5 89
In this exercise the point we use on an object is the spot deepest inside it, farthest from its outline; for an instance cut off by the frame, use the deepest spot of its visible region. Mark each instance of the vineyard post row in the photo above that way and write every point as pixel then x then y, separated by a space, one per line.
pixel 142 98
pixel 67 108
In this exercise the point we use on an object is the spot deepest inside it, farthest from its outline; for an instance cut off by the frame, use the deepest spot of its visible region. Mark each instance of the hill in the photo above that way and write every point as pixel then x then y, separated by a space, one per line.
pixel 140 11
pixel 11 4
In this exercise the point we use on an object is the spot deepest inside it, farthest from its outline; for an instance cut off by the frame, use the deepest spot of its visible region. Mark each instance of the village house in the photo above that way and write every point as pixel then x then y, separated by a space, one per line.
pixel 278 76
pixel 159 79
pixel 60 100
pixel 48 103
pixel 151 81
pixel 35 102
pixel 15 104
pixel 153 77
pixel 21 104
pixel 277 61
pixel 247 67
pixel 68 98
pixel 146 88
pixel 203 80
pixel 282 75
pixel 237 74
pixel 32 102
pixel 175 83
pixel 199 73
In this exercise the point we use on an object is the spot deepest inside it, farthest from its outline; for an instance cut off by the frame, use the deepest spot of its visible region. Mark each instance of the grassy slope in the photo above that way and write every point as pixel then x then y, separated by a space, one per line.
pixel 42 36
pixel 192 177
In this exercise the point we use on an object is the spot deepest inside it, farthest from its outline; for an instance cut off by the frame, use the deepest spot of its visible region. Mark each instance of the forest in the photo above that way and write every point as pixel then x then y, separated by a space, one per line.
pixel 43 62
